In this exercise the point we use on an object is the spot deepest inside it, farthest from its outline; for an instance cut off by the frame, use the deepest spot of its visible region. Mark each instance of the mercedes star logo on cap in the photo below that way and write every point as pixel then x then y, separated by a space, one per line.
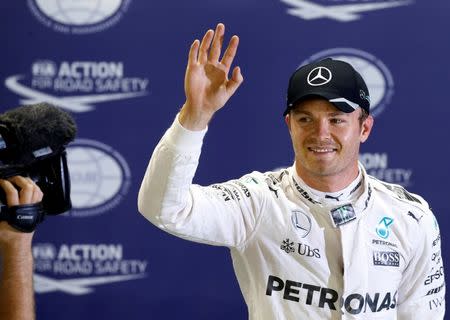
pixel 319 76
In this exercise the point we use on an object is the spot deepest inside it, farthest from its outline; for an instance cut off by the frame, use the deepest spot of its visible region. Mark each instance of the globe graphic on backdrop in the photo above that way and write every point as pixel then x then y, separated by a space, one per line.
pixel 78 12
pixel 376 75
pixel 95 175
pixel 372 76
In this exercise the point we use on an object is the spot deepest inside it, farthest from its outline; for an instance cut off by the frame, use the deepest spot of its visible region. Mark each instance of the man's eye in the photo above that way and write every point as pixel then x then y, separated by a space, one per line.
pixel 304 119
pixel 337 120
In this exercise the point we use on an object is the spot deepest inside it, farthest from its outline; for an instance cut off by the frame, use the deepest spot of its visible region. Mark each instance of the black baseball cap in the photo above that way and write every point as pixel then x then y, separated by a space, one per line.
pixel 334 80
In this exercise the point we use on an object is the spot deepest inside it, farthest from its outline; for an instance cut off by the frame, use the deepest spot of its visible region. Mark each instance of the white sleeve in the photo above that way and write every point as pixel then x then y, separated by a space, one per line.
pixel 422 290
pixel 221 214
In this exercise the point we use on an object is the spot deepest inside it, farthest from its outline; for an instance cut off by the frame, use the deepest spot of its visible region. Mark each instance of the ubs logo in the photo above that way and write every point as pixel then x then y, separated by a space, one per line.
pixel 301 248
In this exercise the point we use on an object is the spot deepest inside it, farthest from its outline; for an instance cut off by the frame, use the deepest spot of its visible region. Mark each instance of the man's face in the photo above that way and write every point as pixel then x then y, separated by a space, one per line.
pixel 326 140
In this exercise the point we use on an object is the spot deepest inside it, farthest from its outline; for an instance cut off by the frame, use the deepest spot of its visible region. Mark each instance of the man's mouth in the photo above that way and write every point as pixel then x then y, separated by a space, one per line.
pixel 322 149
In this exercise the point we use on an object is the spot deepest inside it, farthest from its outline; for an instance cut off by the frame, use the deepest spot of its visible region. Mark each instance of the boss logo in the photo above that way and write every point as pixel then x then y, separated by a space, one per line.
pixel 386 258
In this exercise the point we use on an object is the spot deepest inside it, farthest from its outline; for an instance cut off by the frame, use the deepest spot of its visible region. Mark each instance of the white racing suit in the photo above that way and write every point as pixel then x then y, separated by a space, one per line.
pixel 295 257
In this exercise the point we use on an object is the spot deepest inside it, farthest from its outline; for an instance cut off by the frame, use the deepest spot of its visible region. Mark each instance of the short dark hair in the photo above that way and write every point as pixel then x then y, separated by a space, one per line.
pixel 363 116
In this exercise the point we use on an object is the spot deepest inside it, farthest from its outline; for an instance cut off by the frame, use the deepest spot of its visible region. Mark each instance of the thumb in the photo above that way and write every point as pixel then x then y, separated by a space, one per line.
pixel 235 81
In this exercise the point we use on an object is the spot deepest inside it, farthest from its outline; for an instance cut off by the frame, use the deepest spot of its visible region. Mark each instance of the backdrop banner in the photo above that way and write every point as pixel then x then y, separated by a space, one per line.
pixel 118 67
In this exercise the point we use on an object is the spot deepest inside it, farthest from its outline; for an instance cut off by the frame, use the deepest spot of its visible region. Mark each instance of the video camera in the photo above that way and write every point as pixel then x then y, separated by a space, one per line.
pixel 33 142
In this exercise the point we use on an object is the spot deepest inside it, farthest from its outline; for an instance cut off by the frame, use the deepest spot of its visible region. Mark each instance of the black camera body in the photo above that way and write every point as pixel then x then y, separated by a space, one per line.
pixel 52 177
pixel 33 139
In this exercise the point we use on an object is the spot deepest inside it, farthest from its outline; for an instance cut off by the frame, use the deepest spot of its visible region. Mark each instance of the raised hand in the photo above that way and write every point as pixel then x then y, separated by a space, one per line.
pixel 207 86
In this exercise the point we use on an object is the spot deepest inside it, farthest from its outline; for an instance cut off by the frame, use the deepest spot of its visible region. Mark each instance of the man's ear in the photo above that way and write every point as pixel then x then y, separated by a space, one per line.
pixel 366 128
pixel 287 119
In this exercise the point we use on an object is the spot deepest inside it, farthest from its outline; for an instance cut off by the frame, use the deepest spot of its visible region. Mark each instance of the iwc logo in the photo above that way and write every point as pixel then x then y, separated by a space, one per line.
pixel 100 177
pixel 78 16
pixel 374 72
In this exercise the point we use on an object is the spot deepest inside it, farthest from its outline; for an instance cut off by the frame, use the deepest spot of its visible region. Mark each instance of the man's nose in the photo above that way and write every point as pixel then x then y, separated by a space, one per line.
pixel 322 128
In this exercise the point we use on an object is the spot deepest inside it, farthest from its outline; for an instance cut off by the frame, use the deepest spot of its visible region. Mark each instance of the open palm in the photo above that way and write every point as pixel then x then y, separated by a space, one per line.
pixel 207 85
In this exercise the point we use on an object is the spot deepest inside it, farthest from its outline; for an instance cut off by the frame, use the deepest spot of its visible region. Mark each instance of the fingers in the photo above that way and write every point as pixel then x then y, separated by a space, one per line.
pixel 37 192
pixel 204 46
pixel 235 81
pixel 193 52
pixel 26 189
pixel 216 46
pixel 230 52
pixel 12 195
pixel 212 43
pixel 28 193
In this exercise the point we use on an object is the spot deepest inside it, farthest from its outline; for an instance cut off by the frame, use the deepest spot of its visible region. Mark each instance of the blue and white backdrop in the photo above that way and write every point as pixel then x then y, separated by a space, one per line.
pixel 118 67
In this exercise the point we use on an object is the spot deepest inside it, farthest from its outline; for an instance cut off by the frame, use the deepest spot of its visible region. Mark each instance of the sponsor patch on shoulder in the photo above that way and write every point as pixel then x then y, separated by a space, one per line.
pixel 386 258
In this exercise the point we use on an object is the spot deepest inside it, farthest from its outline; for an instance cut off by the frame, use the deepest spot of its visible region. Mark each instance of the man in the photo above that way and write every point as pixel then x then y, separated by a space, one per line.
pixel 16 260
pixel 319 240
